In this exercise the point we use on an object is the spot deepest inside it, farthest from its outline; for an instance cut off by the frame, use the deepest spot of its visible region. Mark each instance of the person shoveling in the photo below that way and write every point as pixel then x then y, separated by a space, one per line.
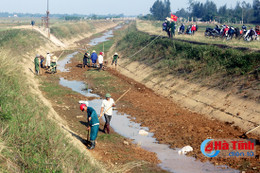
pixel 93 122
pixel 106 109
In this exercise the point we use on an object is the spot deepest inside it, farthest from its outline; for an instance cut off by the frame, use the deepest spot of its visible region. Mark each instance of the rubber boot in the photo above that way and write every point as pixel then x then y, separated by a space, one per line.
pixel 105 127
pixel 108 130
pixel 92 145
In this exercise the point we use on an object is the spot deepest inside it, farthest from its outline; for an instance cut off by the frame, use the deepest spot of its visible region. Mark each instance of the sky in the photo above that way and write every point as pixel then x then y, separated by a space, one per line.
pixel 127 7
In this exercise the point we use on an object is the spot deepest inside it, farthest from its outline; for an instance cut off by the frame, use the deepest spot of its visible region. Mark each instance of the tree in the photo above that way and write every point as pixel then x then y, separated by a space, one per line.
pixel 247 12
pixel 182 13
pixel 223 14
pixel 160 10
pixel 197 10
pixel 237 13
pixel 210 10
pixel 167 8
pixel 256 7
pixel 205 11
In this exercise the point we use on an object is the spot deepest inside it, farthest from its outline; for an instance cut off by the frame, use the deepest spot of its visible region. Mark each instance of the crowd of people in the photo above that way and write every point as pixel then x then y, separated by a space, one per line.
pixel 50 63
pixel 169 27
pixel 93 60
pixel 223 31
pixel 107 104
pixel 191 29
pixel 97 61
pixel 229 32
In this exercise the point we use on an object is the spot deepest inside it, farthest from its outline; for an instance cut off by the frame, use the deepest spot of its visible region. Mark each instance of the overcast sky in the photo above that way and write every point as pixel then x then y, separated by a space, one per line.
pixel 128 7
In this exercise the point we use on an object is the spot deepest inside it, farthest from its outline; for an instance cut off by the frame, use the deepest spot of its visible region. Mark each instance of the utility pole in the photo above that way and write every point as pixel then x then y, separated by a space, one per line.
pixel 47 19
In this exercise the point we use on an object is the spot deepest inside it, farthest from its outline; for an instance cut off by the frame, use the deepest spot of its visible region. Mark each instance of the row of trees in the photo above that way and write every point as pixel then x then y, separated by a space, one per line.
pixel 160 9
pixel 208 11
pixel 63 16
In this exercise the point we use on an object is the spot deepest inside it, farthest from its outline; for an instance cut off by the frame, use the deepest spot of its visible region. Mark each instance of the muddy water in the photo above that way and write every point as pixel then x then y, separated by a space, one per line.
pixel 104 37
pixel 98 40
pixel 122 124
pixel 78 86
pixel 62 63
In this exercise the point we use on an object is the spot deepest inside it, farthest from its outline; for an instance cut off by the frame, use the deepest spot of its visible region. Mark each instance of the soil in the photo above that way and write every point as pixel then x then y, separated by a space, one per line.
pixel 115 151
pixel 181 127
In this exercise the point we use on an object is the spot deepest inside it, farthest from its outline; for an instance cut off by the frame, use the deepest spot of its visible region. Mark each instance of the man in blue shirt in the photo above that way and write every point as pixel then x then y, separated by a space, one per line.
pixel 94 58
pixel 92 121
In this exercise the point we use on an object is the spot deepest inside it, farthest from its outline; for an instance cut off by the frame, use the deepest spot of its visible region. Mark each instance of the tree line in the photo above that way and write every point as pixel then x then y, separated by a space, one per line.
pixel 208 11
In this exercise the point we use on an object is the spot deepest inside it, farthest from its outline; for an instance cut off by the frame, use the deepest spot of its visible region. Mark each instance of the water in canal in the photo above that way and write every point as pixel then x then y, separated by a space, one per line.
pixel 122 124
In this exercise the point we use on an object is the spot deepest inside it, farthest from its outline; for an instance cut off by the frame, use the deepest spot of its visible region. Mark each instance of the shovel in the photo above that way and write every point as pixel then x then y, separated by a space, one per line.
pixel 115 102
pixel 244 135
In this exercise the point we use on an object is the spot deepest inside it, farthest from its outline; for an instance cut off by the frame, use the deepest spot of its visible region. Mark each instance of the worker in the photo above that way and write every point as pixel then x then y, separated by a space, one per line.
pixel 168 26
pixel 100 60
pixel 42 59
pixel 37 64
pixel 86 60
pixel 48 60
pixel 172 28
pixel 107 110
pixel 54 64
pixel 32 23
pixel 115 57
pixel 93 123
pixel 94 58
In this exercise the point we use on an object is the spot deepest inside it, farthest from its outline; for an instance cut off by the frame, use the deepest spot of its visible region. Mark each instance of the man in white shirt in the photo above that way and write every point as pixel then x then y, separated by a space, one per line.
pixel 48 60
pixel 100 60
pixel 106 108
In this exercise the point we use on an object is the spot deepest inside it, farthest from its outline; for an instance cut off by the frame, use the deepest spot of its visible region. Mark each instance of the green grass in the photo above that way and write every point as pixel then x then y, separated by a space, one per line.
pixel 113 138
pixel 53 89
pixel 176 57
pixel 103 80
pixel 20 41
pixel 31 142
pixel 107 45
pixel 70 30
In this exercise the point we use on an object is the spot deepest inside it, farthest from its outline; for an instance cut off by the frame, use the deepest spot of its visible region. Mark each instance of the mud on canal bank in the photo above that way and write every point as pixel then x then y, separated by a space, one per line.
pixel 180 127
pixel 112 149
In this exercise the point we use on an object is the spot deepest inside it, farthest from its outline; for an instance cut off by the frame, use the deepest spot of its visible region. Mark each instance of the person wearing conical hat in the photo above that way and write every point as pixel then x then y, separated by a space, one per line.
pixel 94 58
pixel 54 64
pixel 115 58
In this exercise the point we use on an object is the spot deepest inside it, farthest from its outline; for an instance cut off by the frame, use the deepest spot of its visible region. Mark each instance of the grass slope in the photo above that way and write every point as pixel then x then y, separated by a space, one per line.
pixel 176 57
pixel 30 142
pixel 155 27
